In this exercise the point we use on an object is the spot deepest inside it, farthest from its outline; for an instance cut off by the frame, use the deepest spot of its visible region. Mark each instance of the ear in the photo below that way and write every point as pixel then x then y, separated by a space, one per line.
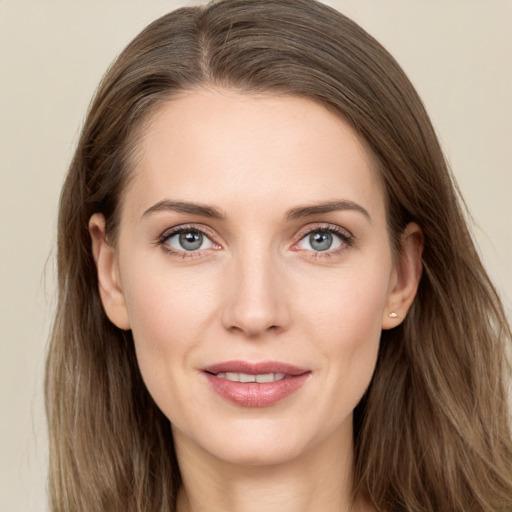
pixel 406 278
pixel 109 283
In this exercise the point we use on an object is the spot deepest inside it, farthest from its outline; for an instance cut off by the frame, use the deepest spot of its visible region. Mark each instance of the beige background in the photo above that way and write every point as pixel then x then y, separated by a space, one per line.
pixel 52 54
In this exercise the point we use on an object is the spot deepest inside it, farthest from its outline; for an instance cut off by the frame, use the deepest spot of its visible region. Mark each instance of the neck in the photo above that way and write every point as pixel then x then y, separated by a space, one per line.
pixel 319 479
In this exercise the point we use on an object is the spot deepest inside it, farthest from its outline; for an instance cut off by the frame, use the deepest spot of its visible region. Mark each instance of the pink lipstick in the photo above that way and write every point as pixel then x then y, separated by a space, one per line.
pixel 255 384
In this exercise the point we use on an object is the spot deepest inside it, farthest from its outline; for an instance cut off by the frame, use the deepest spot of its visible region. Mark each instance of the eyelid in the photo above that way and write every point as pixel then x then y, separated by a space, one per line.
pixel 180 228
pixel 344 234
pixel 176 230
pixel 324 226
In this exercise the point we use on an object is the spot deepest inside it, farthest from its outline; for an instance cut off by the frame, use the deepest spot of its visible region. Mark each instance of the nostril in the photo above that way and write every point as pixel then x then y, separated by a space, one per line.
pixel 253 308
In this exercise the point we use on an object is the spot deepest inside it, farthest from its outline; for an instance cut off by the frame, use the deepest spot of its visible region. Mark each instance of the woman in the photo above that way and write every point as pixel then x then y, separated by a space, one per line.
pixel 269 297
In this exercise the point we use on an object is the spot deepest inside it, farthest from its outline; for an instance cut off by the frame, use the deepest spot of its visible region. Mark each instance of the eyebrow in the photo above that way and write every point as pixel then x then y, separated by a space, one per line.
pixel 327 207
pixel 298 212
pixel 185 207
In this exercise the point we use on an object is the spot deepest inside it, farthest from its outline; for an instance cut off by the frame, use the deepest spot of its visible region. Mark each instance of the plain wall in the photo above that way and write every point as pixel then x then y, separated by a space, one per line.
pixel 458 53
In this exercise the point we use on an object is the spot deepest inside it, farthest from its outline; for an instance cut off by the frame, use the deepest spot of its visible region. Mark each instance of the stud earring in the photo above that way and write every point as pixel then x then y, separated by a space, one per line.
pixel 393 315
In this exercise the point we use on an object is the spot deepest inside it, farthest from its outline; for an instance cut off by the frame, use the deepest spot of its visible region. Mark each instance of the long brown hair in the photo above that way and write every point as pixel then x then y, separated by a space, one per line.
pixel 432 432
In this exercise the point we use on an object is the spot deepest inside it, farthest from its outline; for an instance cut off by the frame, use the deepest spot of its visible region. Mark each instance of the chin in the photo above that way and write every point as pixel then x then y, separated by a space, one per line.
pixel 253 442
pixel 256 453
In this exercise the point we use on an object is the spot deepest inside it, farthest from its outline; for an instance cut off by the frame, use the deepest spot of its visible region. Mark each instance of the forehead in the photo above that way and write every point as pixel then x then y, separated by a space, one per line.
pixel 223 147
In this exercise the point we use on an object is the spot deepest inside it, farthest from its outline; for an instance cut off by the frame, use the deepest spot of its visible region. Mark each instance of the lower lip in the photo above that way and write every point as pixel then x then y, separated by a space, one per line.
pixel 255 394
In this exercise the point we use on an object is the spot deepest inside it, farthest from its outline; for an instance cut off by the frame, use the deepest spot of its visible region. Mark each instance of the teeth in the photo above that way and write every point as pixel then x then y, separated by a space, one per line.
pixel 246 377
pixel 269 377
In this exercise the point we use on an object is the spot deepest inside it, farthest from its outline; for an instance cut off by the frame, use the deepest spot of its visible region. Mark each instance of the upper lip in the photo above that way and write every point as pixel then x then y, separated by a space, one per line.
pixel 255 368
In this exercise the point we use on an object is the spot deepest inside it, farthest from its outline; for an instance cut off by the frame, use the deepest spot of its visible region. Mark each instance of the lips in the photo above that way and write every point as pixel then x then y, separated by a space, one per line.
pixel 255 384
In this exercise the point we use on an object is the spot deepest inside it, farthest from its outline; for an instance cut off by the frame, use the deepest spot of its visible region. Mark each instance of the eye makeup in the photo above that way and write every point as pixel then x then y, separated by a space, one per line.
pixel 324 240
pixel 192 241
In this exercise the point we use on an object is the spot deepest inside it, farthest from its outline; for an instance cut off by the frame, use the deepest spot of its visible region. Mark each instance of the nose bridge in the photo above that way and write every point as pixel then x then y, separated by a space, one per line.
pixel 256 301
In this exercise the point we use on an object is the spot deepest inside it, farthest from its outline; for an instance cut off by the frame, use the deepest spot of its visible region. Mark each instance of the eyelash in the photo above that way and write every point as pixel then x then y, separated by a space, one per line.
pixel 164 237
pixel 346 238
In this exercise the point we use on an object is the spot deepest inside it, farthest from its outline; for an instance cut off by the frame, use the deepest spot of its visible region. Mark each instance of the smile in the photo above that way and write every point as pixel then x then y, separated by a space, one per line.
pixel 255 384
pixel 247 377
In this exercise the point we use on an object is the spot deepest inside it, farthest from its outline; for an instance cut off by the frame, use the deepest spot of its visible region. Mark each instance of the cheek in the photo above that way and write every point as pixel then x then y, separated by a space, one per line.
pixel 346 324
pixel 347 308
pixel 349 334
pixel 166 305
pixel 168 313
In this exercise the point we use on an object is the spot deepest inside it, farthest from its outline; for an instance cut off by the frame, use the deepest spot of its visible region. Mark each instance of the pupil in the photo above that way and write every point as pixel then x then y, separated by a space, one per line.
pixel 190 240
pixel 320 241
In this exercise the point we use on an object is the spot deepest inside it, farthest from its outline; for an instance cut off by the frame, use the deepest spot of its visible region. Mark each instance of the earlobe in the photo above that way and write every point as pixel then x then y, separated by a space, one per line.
pixel 109 285
pixel 408 270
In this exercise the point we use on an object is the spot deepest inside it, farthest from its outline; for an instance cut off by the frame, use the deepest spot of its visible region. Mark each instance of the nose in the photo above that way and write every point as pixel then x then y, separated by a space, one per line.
pixel 255 296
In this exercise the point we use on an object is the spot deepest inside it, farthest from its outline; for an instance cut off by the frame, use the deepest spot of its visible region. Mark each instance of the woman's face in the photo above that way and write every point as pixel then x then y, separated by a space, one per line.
pixel 253 246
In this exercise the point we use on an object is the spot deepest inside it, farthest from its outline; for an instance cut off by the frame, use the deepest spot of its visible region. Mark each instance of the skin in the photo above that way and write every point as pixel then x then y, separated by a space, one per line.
pixel 257 290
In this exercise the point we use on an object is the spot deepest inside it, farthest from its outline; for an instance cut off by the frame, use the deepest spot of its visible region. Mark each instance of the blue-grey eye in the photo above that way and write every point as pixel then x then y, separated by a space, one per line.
pixel 320 240
pixel 189 240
